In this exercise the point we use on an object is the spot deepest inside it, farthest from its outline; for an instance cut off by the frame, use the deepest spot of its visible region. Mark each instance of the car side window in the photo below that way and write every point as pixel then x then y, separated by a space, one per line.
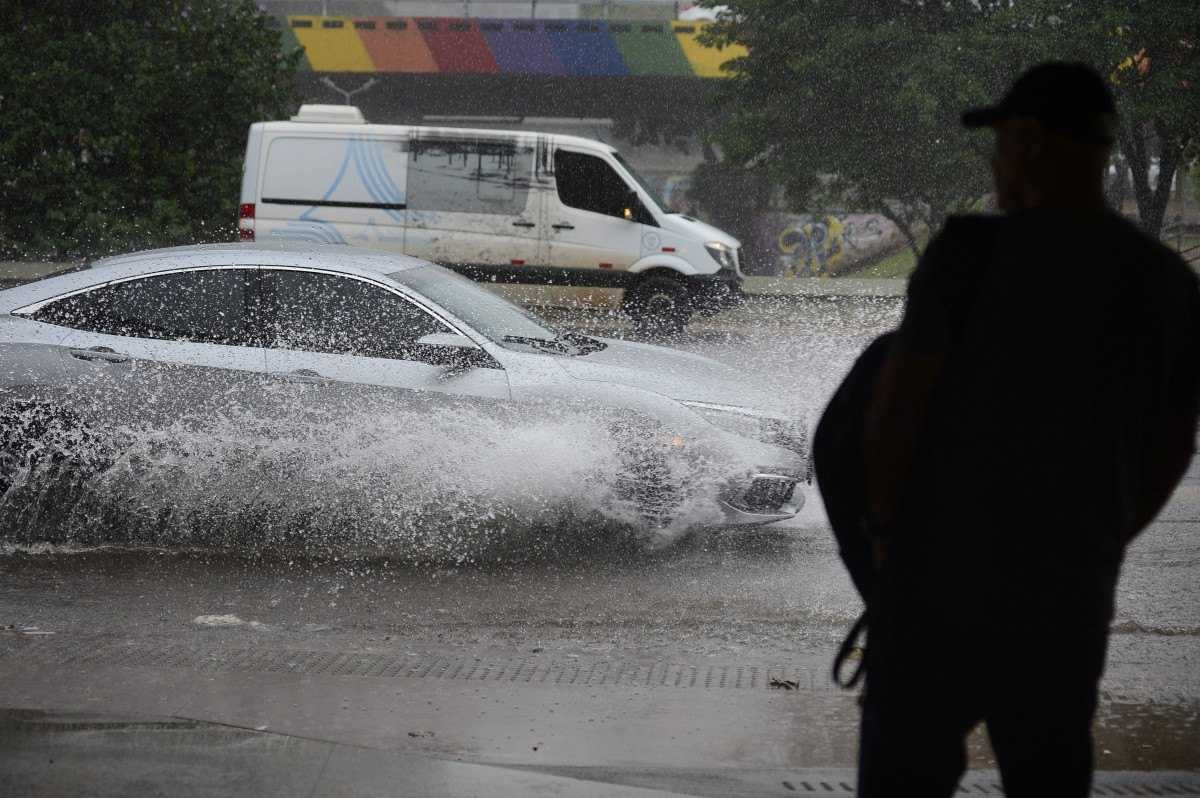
pixel 199 306
pixel 589 183
pixel 315 312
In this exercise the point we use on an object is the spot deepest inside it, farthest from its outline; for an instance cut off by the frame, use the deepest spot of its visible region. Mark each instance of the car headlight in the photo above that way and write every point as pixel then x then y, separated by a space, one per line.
pixel 751 424
pixel 722 254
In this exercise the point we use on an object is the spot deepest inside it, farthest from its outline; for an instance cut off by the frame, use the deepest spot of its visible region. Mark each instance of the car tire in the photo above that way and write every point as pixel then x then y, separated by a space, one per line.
pixel 658 304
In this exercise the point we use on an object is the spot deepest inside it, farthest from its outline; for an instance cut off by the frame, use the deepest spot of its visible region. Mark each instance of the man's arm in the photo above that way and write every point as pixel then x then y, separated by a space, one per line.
pixel 1171 437
pixel 900 400
pixel 1172 443
pixel 895 417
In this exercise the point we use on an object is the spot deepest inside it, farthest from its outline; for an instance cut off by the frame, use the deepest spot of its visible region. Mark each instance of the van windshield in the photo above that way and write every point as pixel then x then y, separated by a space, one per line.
pixel 641 181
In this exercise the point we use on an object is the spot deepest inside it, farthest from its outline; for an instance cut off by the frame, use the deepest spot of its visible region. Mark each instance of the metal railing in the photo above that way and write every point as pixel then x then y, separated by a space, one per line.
pixel 1184 237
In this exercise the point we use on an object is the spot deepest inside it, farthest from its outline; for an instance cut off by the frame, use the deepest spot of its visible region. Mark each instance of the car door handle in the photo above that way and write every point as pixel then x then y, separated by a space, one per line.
pixel 523 223
pixel 563 226
pixel 302 375
pixel 105 353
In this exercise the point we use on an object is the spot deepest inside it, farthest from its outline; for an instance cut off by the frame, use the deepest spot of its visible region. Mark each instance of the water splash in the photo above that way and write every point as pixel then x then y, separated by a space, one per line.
pixel 464 486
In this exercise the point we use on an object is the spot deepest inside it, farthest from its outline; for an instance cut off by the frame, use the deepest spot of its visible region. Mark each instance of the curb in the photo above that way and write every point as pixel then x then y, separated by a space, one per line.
pixel 792 288
pixel 15 272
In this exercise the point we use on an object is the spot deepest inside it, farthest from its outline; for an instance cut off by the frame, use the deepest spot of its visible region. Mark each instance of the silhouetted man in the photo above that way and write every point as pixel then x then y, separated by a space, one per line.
pixel 1032 415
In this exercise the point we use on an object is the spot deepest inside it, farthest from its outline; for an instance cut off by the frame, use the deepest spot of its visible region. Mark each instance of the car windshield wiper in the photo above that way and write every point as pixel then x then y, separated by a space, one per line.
pixel 585 344
pixel 566 343
pixel 557 345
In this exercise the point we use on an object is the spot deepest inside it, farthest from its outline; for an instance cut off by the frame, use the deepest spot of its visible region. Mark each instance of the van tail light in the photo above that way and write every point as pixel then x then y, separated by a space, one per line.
pixel 246 221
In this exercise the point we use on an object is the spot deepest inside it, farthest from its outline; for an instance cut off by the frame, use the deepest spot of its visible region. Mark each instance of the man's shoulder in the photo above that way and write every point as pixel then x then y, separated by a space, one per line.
pixel 1109 233
pixel 969 229
pixel 957 249
pixel 1149 254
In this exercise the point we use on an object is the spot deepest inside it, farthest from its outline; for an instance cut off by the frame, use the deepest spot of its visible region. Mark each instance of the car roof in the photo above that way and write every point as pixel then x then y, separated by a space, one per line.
pixel 281 253
pixel 336 257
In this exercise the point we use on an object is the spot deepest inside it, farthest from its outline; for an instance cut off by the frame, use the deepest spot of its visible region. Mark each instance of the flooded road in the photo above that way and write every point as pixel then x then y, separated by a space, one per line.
pixel 591 654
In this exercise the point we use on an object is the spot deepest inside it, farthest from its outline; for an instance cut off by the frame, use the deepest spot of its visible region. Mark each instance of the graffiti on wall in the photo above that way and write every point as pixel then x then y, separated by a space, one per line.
pixel 810 245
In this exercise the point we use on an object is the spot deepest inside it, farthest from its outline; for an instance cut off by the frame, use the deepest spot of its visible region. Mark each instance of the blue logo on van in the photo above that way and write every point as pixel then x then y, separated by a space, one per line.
pixel 313 231
pixel 372 170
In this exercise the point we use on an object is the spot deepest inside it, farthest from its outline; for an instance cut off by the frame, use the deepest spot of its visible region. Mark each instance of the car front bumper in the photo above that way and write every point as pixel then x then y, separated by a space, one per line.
pixel 763 499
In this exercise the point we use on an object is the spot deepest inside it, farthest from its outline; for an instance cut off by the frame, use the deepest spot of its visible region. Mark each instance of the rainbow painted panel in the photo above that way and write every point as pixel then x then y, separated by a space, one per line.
pixel 457 45
pixel 331 44
pixel 587 48
pixel 395 45
pixel 507 47
pixel 522 47
pixel 650 48
pixel 704 61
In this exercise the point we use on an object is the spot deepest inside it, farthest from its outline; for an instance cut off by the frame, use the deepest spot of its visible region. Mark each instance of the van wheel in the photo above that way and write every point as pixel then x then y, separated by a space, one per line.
pixel 658 304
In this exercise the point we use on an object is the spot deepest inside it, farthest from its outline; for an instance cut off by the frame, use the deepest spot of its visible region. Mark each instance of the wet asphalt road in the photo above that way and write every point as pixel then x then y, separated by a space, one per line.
pixel 595 657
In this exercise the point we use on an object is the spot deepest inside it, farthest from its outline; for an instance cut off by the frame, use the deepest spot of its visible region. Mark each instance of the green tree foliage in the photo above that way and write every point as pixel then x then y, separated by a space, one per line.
pixel 123 122
pixel 856 104
pixel 1150 51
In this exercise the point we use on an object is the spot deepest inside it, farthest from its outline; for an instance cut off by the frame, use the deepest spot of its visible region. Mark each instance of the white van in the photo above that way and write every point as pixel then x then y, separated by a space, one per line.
pixel 495 205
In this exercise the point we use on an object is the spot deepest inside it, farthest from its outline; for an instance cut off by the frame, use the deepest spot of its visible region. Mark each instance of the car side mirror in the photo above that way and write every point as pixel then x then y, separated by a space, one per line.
pixel 457 351
pixel 448 340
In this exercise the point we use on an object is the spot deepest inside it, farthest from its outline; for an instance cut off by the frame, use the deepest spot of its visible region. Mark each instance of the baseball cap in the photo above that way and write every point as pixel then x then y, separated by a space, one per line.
pixel 1068 97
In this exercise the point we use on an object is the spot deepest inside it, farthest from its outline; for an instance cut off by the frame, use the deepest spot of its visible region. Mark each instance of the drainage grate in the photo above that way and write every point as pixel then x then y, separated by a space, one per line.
pixel 835 782
pixel 532 670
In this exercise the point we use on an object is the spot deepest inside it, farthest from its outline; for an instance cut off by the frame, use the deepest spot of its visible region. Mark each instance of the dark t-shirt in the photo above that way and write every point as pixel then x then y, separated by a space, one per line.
pixel 1066 334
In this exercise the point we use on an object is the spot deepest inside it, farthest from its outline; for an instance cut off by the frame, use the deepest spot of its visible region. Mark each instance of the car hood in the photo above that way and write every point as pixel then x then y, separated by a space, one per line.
pixel 668 372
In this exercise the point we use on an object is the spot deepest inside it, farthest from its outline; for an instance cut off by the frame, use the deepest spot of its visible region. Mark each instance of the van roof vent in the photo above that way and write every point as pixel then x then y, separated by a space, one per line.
pixel 343 114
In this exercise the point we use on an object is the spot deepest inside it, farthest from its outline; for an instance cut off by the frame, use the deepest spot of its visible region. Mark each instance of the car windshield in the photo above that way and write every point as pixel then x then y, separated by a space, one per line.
pixel 489 314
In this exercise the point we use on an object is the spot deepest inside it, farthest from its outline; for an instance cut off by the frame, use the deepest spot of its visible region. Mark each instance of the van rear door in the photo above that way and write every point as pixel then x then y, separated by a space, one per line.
pixel 470 203
pixel 333 188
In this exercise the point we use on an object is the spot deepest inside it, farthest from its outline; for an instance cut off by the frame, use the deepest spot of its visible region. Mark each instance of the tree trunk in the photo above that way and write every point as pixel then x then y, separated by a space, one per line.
pixel 904 227
pixel 1151 200
pixel 1117 189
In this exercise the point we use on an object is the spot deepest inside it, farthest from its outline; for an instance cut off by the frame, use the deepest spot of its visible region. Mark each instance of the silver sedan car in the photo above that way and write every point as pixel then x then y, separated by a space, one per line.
pixel 151 337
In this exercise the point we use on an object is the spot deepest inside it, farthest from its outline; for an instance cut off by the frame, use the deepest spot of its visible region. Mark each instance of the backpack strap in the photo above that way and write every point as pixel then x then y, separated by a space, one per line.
pixel 848 645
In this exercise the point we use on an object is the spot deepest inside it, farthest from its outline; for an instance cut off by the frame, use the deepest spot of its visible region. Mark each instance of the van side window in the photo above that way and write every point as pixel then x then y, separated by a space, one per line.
pixel 468 175
pixel 200 306
pixel 588 183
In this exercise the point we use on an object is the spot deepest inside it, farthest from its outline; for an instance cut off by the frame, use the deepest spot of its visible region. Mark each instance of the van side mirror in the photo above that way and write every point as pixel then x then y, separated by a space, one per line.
pixel 632 206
